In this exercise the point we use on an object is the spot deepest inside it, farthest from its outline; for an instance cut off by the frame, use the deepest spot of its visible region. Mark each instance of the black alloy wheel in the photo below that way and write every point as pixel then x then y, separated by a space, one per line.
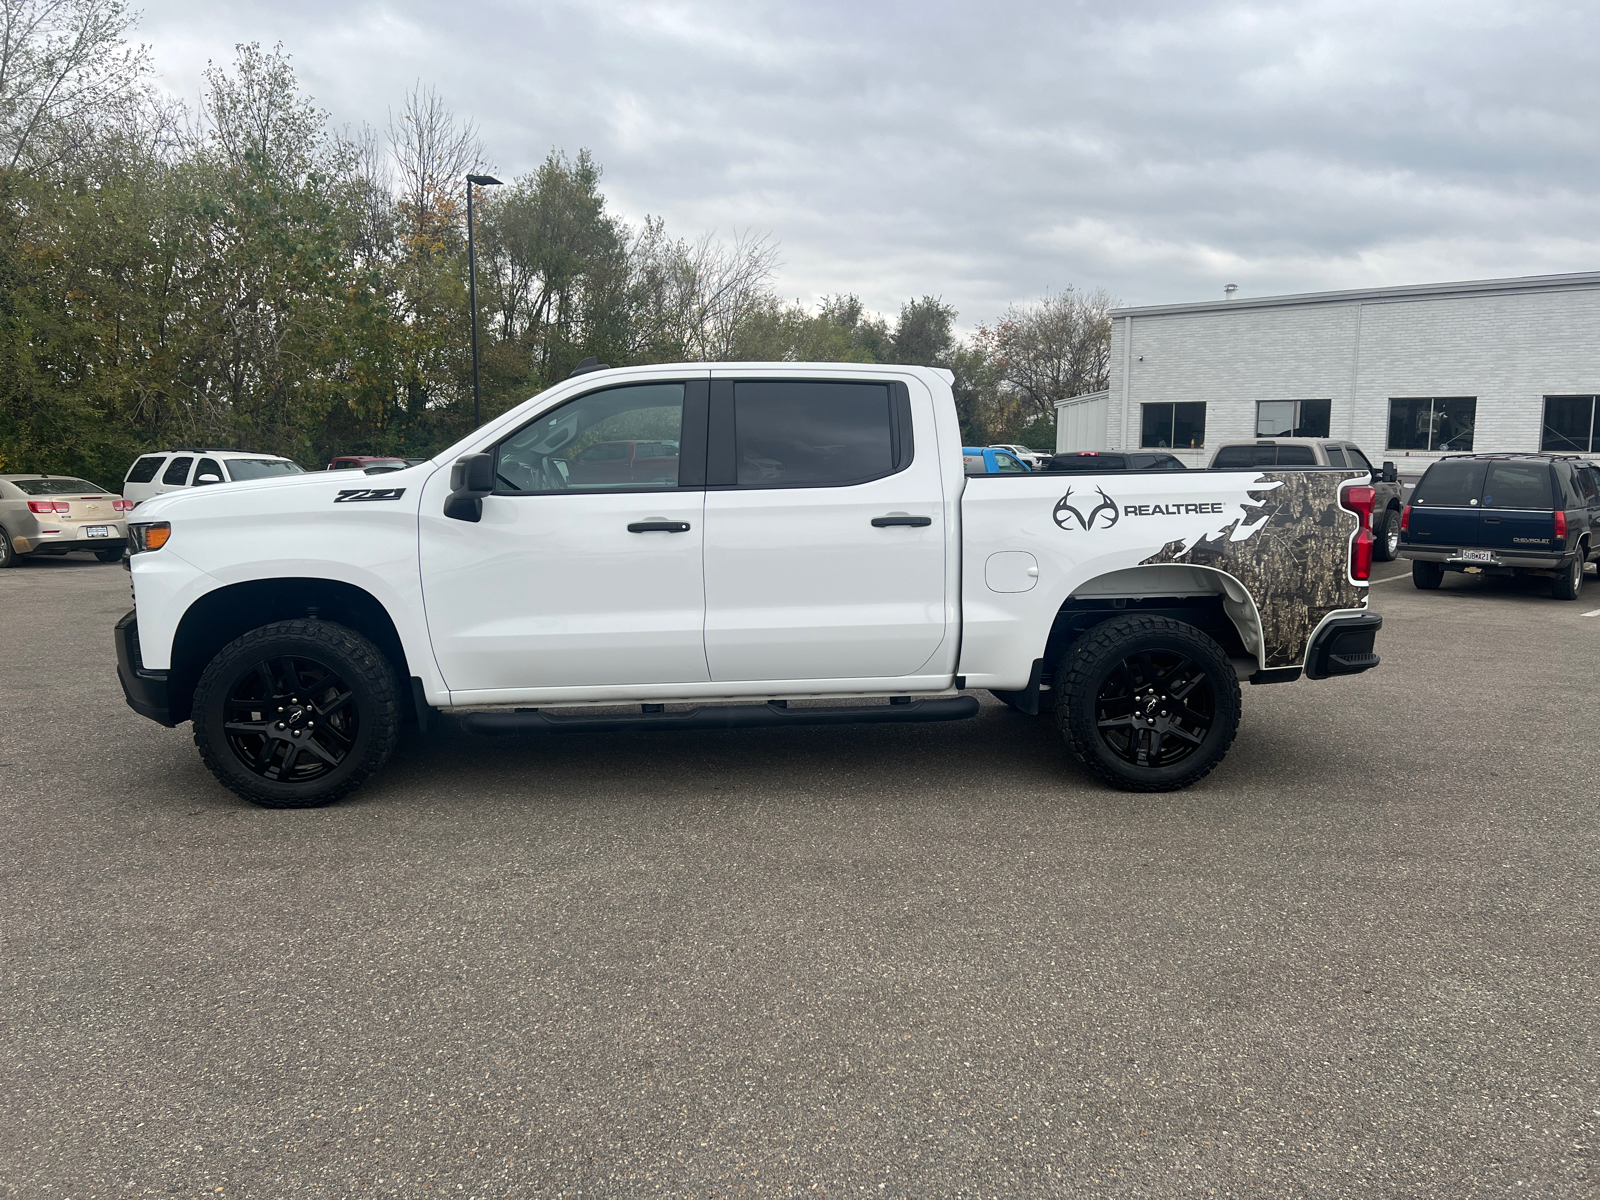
pixel 291 719
pixel 1147 703
pixel 297 714
pixel 1155 708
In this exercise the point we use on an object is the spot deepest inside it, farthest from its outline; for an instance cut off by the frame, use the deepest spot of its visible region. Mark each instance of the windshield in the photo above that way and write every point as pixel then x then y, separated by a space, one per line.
pixel 261 468
pixel 60 486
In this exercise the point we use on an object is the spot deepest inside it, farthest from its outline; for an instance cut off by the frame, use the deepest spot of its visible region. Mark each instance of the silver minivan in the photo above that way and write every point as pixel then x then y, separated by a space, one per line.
pixel 169 470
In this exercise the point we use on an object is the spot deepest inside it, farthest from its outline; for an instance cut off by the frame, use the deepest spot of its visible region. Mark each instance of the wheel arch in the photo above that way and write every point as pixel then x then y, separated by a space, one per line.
pixel 1206 597
pixel 220 616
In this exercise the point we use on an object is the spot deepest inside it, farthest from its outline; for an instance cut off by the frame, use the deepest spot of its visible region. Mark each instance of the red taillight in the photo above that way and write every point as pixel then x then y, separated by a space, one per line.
pixel 49 507
pixel 1360 500
pixel 1405 519
pixel 1561 526
pixel 122 505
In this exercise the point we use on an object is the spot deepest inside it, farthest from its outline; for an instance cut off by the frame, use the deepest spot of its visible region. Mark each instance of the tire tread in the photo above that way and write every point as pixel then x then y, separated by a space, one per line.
pixel 358 655
pixel 1078 669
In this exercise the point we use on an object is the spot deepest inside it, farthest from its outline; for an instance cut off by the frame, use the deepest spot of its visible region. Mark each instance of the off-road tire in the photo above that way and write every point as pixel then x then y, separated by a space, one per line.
pixel 1426 576
pixel 1386 543
pixel 8 553
pixel 360 665
pixel 108 556
pixel 1568 583
pixel 1090 663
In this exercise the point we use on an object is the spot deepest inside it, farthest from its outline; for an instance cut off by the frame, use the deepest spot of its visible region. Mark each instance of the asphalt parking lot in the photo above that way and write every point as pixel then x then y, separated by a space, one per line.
pixel 1358 960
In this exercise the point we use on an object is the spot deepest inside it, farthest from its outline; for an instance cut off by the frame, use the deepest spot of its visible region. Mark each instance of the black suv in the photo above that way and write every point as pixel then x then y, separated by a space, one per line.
pixel 1100 460
pixel 1504 514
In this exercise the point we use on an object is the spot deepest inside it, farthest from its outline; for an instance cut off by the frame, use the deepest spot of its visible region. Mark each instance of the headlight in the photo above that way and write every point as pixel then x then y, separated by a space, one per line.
pixel 148 535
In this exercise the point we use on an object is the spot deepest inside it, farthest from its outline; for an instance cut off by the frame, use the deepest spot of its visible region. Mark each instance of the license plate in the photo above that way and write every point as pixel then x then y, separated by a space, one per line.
pixel 97 531
pixel 1478 555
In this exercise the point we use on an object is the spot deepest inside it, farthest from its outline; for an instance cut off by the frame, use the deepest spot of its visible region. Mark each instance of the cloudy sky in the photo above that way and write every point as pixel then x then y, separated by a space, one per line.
pixel 991 152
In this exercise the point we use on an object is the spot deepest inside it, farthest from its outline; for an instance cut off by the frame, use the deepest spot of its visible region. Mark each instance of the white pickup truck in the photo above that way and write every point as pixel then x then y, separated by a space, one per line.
pixel 693 547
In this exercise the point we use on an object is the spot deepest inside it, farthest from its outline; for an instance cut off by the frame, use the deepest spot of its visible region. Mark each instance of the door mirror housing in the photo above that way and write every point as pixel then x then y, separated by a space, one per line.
pixel 1390 475
pixel 208 477
pixel 471 479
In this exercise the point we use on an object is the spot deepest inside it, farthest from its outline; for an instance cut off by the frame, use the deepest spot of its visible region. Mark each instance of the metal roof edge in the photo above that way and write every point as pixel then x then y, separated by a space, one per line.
pixel 1575 280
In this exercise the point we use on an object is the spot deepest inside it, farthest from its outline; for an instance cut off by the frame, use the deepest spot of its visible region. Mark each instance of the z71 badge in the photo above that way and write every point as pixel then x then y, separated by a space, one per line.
pixel 352 495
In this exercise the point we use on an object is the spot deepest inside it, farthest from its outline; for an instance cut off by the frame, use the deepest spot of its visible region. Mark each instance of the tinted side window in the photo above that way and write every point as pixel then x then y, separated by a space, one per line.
pixel 145 469
pixel 1335 455
pixel 209 466
pixel 1586 482
pixel 178 471
pixel 1141 462
pixel 1296 456
pixel 1235 457
pixel 1086 462
pixel 1518 485
pixel 586 445
pixel 803 434
pixel 1358 459
pixel 1167 463
pixel 1452 483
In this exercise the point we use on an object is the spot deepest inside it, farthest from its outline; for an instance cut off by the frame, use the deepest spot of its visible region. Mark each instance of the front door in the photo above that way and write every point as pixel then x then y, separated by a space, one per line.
pixel 825 532
pixel 575 576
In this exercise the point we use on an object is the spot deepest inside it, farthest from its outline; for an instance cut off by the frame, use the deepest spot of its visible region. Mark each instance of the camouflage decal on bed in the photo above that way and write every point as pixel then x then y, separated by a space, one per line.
pixel 1281 552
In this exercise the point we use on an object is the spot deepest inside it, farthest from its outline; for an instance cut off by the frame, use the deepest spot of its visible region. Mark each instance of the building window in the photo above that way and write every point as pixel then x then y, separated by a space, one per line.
pixel 1432 422
pixel 1293 418
pixel 1173 426
pixel 1569 424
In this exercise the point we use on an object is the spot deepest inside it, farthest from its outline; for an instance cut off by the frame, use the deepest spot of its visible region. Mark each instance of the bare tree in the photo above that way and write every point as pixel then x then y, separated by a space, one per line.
pixel 432 154
pixel 64 66
pixel 692 299
pixel 1055 348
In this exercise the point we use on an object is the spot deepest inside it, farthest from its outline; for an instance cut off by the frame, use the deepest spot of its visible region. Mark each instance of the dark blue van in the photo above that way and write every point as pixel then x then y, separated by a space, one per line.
pixel 1504 514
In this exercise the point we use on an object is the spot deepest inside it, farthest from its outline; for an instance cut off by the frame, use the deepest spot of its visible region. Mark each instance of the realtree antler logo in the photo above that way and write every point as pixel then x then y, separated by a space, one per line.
pixel 1066 512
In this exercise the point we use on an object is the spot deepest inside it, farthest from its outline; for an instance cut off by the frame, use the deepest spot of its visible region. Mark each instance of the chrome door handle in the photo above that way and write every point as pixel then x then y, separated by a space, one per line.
pixel 914 522
pixel 659 527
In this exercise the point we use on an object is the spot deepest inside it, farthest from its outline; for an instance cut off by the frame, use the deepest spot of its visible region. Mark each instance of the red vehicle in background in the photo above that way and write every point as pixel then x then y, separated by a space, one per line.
pixel 624 462
pixel 361 462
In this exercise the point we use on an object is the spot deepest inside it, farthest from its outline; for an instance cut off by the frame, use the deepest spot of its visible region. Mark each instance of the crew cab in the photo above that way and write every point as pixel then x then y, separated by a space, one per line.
pixel 1504 514
pixel 817 540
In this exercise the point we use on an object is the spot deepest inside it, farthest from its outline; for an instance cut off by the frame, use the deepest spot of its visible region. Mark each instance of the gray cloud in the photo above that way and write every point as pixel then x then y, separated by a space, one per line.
pixel 988 153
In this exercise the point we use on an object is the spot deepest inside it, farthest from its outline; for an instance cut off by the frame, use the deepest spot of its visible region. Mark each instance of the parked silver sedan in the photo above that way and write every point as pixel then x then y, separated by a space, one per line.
pixel 57 514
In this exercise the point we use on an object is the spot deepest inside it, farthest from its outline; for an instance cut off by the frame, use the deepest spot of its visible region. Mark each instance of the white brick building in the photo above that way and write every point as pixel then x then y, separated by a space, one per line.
pixel 1406 372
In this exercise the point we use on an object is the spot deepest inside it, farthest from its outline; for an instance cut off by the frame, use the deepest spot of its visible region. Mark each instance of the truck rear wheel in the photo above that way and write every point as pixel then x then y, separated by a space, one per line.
pixel 296 714
pixel 1426 575
pixel 1147 703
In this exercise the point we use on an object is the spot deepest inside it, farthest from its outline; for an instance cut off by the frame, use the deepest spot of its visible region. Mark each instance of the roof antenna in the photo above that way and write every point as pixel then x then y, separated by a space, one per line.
pixel 589 364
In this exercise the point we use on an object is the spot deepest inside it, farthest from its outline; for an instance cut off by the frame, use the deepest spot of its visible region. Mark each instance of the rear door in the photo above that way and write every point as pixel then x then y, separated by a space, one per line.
pixel 1517 513
pixel 1444 508
pixel 825 538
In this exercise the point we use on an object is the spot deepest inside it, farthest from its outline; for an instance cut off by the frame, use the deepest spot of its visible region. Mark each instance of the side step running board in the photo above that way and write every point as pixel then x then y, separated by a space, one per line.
pixel 721 716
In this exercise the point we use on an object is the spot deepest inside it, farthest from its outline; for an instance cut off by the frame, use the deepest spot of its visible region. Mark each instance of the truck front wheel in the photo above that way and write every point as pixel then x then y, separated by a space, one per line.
pixel 296 714
pixel 1146 703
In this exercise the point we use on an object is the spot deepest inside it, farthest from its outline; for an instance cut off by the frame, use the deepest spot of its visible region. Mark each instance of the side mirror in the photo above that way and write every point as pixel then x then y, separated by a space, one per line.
pixel 1390 475
pixel 208 477
pixel 471 479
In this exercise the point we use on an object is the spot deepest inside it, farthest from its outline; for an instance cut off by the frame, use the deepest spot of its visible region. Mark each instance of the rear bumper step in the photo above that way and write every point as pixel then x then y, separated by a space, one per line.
pixel 721 716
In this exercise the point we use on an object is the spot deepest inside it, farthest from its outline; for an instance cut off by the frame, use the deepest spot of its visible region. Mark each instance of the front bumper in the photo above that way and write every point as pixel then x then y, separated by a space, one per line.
pixel 146 691
pixel 1343 646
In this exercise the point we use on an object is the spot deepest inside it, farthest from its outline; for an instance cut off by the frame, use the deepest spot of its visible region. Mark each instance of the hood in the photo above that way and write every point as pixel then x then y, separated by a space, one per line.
pixel 316 487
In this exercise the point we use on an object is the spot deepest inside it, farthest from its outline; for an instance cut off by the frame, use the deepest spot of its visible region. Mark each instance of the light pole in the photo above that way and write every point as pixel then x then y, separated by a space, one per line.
pixel 472 291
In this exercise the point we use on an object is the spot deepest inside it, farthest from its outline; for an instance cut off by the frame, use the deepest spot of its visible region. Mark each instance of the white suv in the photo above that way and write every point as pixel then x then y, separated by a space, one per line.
pixel 169 470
